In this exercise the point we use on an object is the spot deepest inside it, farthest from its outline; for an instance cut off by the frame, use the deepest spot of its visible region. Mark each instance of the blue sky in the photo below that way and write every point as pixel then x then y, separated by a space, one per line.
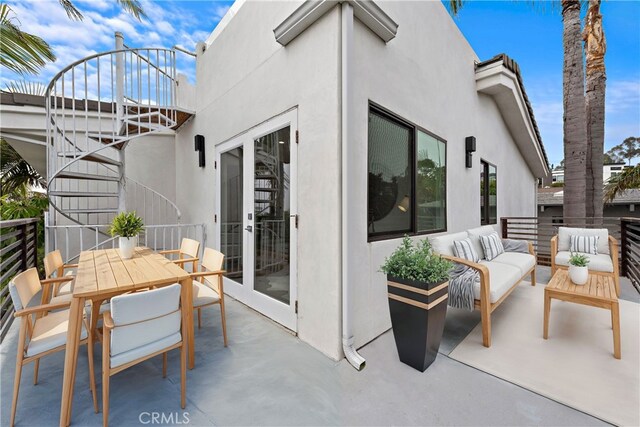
pixel 532 36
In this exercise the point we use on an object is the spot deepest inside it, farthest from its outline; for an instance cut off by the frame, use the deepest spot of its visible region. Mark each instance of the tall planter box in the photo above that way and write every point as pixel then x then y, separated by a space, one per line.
pixel 418 313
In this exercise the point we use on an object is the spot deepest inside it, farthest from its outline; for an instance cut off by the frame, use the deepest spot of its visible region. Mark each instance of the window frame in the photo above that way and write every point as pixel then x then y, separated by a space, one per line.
pixel 485 218
pixel 385 235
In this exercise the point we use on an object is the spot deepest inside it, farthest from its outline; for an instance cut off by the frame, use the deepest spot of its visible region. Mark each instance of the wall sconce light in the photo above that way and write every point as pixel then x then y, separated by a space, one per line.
pixel 404 204
pixel 470 147
pixel 199 145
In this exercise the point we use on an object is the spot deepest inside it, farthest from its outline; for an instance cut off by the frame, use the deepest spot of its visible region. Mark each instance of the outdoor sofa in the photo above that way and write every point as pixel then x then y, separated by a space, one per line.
pixel 498 277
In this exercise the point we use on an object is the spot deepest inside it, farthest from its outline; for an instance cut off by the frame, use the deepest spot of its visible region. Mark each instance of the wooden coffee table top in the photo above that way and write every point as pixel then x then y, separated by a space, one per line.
pixel 597 287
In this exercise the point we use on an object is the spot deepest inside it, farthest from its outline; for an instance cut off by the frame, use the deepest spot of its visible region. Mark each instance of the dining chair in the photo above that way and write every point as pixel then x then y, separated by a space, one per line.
pixel 206 291
pixel 188 253
pixel 42 335
pixel 53 264
pixel 138 327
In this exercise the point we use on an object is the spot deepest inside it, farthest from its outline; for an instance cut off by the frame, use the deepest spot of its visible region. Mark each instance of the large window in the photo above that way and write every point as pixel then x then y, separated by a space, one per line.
pixel 488 193
pixel 407 178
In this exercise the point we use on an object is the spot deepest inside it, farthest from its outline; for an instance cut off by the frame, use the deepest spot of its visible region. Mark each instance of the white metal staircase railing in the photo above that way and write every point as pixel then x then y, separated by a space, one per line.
pixel 95 107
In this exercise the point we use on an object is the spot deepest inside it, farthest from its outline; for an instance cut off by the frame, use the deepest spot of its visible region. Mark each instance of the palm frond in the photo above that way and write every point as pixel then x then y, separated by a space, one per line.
pixel 16 175
pixel 133 7
pixel 617 185
pixel 72 10
pixel 25 87
pixel 454 6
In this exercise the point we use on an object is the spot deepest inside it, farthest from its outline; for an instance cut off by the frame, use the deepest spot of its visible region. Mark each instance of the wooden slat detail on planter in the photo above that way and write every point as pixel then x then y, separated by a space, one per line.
pixel 417 303
pixel 418 290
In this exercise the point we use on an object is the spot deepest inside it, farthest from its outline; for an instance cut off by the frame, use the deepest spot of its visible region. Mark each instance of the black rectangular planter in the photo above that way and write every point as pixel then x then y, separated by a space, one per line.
pixel 418 312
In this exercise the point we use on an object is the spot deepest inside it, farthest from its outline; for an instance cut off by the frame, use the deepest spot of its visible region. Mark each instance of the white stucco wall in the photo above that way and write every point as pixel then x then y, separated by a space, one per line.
pixel 244 78
pixel 426 75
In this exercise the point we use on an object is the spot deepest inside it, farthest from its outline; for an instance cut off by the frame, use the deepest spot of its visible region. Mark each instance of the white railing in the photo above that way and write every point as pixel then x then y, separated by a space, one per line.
pixel 74 238
pixel 151 206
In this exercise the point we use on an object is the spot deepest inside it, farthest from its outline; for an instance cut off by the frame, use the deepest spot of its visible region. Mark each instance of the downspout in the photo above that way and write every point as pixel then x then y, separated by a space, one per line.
pixel 350 352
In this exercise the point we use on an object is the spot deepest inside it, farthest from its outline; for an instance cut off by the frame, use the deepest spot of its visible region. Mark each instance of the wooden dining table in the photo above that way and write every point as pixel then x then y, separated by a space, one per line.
pixel 103 274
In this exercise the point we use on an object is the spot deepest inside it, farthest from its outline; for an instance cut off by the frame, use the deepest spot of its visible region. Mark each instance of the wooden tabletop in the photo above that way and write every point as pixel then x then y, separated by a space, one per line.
pixel 598 286
pixel 104 272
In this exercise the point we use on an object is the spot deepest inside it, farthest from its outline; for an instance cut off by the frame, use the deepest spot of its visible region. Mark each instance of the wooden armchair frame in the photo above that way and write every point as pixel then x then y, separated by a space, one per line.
pixel 212 258
pixel 53 264
pixel 613 253
pixel 188 248
pixel 484 304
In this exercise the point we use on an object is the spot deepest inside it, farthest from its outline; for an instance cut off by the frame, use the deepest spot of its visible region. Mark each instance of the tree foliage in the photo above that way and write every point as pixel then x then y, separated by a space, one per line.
pixel 16 175
pixel 626 151
pixel 618 184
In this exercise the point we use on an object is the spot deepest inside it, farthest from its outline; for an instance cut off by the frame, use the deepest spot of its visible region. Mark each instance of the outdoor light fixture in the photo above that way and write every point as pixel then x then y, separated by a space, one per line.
pixel 404 204
pixel 281 142
pixel 199 145
pixel 470 147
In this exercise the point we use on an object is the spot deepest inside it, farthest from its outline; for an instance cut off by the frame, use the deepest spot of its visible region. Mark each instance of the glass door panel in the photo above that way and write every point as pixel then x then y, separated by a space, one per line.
pixel 272 169
pixel 231 212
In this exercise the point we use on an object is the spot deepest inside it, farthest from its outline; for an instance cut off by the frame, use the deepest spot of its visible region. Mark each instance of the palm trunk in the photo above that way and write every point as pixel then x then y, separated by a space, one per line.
pixel 595 47
pixel 575 129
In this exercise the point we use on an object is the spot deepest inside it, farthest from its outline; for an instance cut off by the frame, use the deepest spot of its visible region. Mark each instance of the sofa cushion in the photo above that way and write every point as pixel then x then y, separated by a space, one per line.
pixel 524 262
pixel 600 262
pixel 501 278
pixel 443 244
pixel 492 246
pixel 564 239
pixel 475 233
pixel 465 250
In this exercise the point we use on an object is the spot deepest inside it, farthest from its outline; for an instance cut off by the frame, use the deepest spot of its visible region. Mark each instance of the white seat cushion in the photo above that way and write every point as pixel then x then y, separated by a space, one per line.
pixel 204 295
pixel 61 298
pixel 524 262
pixel 475 233
pixel 67 287
pixel 50 332
pixel 501 278
pixel 443 244
pixel 564 239
pixel 600 262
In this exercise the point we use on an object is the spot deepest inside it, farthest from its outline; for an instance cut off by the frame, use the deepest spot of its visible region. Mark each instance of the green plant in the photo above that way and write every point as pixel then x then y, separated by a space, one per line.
pixel 126 224
pixel 578 260
pixel 416 262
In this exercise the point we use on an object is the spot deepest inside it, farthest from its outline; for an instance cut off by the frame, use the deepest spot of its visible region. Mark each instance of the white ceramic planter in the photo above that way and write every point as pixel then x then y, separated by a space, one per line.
pixel 578 275
pixel 126 245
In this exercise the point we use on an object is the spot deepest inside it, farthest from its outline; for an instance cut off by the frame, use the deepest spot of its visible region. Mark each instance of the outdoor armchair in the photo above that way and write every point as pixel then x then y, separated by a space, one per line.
pixel 41 335
pixel 604 263
pixel 208 290
pixel 53 264
pixel 188 253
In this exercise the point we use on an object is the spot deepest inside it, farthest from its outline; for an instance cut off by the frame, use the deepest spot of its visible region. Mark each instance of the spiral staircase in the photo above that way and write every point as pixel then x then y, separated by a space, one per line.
pixel 95 108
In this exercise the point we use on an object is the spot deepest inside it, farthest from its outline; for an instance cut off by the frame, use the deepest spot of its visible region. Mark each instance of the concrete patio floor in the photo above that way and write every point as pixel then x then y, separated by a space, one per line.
pixel 268 377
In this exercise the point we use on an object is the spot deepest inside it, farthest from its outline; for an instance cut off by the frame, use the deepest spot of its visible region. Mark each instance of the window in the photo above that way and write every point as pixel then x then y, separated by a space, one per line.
pixel 488 193
pixel 407 178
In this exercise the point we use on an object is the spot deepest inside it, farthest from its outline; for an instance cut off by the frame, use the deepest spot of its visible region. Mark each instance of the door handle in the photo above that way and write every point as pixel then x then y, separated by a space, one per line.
pixel 249 228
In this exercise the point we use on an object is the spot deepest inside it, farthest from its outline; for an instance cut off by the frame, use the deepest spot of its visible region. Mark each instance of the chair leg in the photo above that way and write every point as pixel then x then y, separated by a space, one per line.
pixel 183 375
pixel 19 357
pixel 164 365
pixel 36 366
pixel 199 318
pixel 485 315
pixel 92 373
pixel 533 276
pixel 224 322
pixel 105 381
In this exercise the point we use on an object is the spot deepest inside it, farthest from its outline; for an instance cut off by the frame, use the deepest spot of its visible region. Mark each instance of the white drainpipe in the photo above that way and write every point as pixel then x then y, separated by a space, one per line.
pixel 350 352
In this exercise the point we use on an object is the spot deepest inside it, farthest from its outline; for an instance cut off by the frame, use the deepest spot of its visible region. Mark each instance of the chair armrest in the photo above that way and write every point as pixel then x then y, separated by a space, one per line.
pixel 57 280
pixel 184 260
pixel 482 269
pixel 554 246
pixel 532 251
pixel 41 308
pixel 67 266
pixel 207 273
pixel 107 320
pixel 614 250
pixel 169 251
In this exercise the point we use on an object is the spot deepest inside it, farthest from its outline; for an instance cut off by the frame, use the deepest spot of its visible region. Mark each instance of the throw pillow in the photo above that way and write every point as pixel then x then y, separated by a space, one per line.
pixel 584 244
pixel 492 246
pixel 464 249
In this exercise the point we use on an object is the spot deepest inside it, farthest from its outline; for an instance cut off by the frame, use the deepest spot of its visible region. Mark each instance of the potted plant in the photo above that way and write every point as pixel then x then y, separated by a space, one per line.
pixel 417 283
pixel 126 225
pixel 578 271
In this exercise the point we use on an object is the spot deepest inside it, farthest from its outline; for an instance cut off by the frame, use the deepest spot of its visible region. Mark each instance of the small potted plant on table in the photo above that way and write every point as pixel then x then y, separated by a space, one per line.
pixel 417 282
pixel 578 271
pixel 126 225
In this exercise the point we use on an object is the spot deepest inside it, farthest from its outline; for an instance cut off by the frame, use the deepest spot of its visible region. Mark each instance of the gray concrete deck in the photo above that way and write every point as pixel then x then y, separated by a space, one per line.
pixel 268 377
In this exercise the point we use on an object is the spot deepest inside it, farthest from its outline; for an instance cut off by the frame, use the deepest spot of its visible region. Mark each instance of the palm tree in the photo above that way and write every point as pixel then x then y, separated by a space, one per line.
pixel 595 48
pixel 16 175
pixel 616 185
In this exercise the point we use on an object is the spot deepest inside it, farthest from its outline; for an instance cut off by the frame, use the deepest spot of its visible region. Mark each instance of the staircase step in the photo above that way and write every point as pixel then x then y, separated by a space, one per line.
pixel 81 194
pixel 93 158
pixel 266 190
pixel 266 177
pixel 90 211
pixel 264 201
pixel 88 176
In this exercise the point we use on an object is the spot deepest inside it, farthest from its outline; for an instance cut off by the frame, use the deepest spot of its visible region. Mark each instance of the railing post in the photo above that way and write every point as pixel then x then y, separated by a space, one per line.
pixel 120 70
pixel 23 254
pixel 504 224
pixel 623 247
pixel 35 243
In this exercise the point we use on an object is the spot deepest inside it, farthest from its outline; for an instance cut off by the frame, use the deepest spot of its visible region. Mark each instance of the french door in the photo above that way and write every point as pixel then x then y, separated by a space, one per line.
pixel 256 217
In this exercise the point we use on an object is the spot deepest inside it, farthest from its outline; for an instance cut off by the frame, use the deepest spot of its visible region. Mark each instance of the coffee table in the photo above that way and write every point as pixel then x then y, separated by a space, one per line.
pixel 599 291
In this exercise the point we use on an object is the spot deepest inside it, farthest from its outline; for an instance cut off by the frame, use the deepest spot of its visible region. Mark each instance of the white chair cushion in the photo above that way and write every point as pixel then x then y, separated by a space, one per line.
pixel 145 350
pixel 67 287
pixel 474 235
pixel 50 332
pixel 524 262
pixel 501 278
pixel 600 262
pixel 204 295
pixel 564 239
pixel 61 298
pixel 443 244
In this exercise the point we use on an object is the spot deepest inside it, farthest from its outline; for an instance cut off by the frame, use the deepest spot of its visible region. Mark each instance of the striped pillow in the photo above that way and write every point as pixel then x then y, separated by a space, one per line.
pixel 584 244
pixel 492 246
pixel 464 249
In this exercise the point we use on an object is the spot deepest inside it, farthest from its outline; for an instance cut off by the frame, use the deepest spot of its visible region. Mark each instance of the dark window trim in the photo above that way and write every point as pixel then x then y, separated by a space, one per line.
pixel 387 114
pixel 484 219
